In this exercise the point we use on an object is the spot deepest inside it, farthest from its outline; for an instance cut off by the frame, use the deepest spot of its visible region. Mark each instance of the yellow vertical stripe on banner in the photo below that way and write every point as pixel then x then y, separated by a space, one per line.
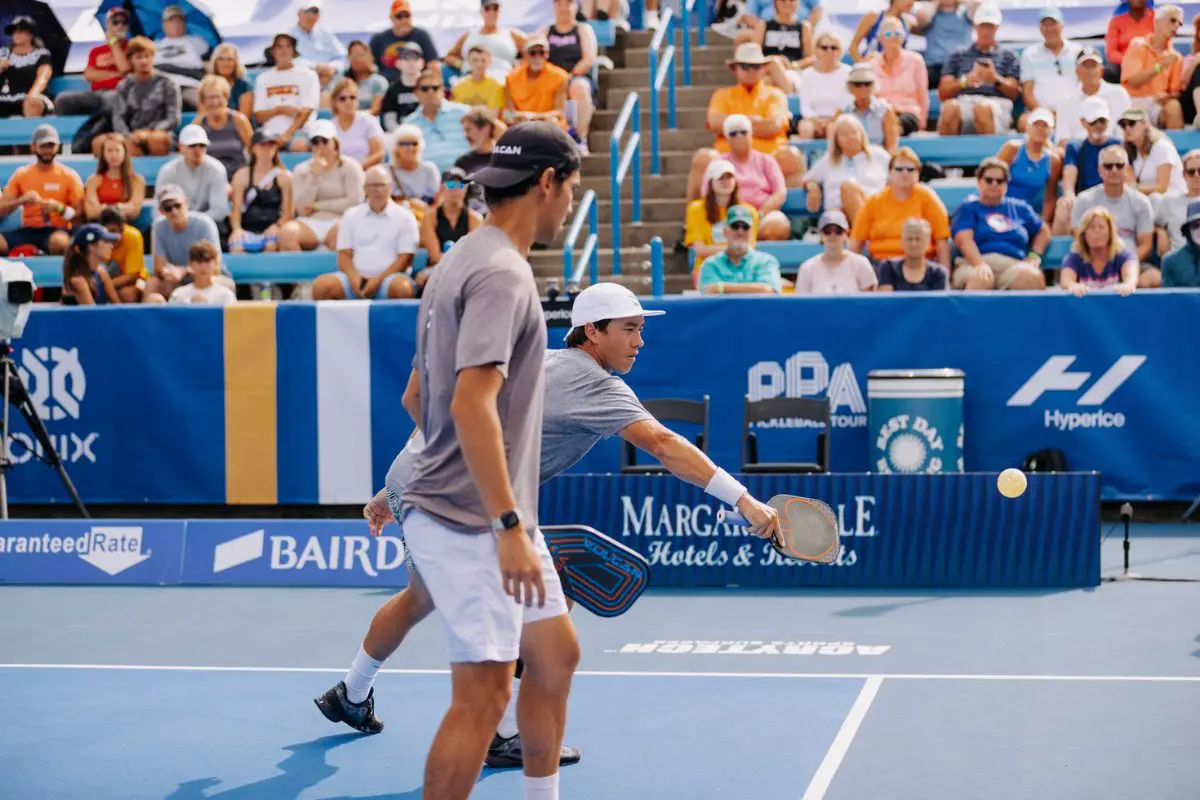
pixel 250 423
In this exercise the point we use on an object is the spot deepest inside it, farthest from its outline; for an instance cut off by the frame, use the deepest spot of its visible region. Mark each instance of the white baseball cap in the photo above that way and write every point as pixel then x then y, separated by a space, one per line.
pixel 988 14
pixel 1041 115
pixel 1094 108
pixel 606 301
pixel 737 122
pixel 193 135
pixel 322 128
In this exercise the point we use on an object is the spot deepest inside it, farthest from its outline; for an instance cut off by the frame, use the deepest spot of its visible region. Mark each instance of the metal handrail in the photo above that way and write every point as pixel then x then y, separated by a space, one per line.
pixel 659 73
pixel 620 160
pixel 588 210
pixel 701 26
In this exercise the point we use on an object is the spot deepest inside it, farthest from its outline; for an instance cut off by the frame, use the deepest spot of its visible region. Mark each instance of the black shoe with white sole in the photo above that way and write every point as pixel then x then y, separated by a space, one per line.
pixel 337 708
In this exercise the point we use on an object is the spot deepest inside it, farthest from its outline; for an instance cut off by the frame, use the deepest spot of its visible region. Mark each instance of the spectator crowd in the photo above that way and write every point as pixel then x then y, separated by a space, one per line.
pixel 388 132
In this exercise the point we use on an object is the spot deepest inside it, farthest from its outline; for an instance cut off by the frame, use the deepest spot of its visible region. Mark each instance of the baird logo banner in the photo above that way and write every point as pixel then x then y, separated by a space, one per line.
pixel 1053 376
pixel 807 374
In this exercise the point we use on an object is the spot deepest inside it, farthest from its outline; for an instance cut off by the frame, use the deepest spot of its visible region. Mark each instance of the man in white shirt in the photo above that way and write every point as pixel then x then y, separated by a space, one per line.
pixel 1089 69
pixel 286 97
pixel 181 56
pixel 316 46
pixel 204 261
pixel 376 243
pixel 1046 68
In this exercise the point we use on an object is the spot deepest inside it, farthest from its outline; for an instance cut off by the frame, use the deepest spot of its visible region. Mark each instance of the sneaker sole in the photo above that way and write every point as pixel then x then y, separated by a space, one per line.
pixel 330 714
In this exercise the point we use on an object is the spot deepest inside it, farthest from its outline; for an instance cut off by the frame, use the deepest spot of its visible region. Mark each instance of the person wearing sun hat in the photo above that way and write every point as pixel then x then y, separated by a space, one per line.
pixel 739 268
pixel 1181 268
pixel 753 97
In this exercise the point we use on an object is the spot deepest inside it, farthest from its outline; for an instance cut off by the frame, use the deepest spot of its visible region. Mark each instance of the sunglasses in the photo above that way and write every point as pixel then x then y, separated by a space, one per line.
pixel 832 230
pixel 891 35
pixel 739 226
pixel 403 15
pixel 319 140
pixel 201 145
pixel 169 208
pixel 428 88
pixel 1127 123
pixel 377 185
pixel 455 185
pixel 828 48
pixel 406 144
pixel 860 84
pixel 731 134
pixel 904 169
pixel 750 66
pixel 119 22
pixel 1114 165
pixel 341 97
pixel 537 52
pixel 1192 172
pixel 994 181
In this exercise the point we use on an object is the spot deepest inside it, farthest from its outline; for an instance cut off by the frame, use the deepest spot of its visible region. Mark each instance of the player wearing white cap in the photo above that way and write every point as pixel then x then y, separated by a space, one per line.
pixel 584 402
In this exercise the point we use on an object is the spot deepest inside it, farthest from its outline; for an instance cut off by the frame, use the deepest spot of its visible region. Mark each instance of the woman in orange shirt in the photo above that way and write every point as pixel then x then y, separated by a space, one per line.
pixel 879 227
pixel 115 183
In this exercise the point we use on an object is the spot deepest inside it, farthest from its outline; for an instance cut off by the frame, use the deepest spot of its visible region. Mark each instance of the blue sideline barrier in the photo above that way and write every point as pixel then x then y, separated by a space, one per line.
pixel 296 403
pixel 946 531
pixel 245 267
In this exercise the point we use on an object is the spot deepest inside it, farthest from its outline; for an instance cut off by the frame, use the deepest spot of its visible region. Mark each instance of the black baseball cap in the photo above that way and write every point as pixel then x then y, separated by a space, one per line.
pixel 21 23
pixel 526 149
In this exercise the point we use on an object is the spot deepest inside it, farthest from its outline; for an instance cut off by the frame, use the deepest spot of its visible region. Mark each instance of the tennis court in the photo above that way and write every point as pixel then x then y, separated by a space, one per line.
pixel 206 693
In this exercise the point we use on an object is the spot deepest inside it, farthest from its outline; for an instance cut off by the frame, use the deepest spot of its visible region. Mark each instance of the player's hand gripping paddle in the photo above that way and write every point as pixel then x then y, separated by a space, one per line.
pixel 599 573
pixel 808 529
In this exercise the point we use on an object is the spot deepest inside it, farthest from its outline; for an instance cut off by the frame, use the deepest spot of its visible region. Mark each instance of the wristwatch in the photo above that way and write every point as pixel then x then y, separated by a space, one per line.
pixel 507 520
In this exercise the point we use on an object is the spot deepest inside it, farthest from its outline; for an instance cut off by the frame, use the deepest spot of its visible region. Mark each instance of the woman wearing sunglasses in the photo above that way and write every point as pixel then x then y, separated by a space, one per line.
pixel 1169 222
pixel 503 43
pixel 1000 239
pixel 1034 164
pixel 850 171
pixel 878 228
pixel 836 270
pixel 1157 168
pixel 822 88
pixel 359 132
pixel 901 77
pixel 450 221
pixel 866 41
pixel 1182 267
pixel 324 188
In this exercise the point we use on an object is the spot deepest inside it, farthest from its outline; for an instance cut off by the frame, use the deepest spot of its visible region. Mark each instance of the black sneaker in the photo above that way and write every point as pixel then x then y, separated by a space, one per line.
pixel 506 754
pixel 337 708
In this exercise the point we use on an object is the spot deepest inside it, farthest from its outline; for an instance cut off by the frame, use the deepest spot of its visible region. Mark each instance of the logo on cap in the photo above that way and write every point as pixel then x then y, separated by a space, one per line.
pixel 507 149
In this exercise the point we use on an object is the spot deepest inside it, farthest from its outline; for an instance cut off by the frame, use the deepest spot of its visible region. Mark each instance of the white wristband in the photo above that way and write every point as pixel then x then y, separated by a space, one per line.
pixel 725 488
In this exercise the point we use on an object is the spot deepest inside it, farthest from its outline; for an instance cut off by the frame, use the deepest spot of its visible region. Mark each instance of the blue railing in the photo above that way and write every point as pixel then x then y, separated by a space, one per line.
pixel 657 279
pixel 658 73
pixel 621 160
pixel 589 258
pixel 690 6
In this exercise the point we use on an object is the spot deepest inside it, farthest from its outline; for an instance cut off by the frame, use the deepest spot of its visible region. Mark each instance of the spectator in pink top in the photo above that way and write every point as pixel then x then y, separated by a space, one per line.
pixel 901 78
pixel 760 180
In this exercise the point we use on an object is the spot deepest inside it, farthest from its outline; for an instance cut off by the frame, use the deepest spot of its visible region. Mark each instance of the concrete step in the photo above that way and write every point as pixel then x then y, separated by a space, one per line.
pixel 701 76
pixel 691 117
pixel 548 264
pixel 682 138
pixel 633 235
pixel 701 56
pixel 684 96
pixel 668 209
pixel 654 187
pixel 633 40
pixel 674 162
pixel 638 284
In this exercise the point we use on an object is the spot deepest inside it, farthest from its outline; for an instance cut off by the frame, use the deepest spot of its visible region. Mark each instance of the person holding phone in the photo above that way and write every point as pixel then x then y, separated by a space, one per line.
pixel 979 83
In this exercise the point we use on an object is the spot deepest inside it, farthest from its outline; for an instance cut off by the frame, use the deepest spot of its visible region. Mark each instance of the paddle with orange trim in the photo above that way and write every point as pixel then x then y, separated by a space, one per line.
pixel 808 528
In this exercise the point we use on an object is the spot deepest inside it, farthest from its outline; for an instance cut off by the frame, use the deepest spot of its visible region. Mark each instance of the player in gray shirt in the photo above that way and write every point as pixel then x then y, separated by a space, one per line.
pixel 584 402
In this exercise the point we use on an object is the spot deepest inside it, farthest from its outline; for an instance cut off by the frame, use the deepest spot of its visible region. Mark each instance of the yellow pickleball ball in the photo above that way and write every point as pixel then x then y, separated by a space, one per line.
pixel 1012 482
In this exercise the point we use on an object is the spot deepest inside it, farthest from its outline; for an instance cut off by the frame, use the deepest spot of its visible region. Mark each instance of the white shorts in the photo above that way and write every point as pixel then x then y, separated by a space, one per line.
pixel 320 227
pixel 1002 110
pixel 462 573
pixel 1152 107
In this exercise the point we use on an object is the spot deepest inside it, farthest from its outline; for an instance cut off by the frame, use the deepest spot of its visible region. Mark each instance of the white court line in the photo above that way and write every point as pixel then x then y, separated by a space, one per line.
pixel 819 784
pixel 857 676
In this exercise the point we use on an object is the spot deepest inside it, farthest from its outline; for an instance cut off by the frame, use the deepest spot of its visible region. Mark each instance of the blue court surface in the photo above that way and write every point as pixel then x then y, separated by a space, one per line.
pixel 126 693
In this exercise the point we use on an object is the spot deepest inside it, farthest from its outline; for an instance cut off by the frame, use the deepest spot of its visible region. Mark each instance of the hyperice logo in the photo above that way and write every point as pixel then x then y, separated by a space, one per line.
pixel 1053 376
pixel 57 385
pixel 807 374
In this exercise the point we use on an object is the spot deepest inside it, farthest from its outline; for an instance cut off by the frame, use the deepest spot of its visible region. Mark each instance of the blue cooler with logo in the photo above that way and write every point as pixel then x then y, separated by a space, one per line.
pixel 915 418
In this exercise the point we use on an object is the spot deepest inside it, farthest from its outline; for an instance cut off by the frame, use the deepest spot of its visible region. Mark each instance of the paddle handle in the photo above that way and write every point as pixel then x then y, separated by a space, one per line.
pixel 732 517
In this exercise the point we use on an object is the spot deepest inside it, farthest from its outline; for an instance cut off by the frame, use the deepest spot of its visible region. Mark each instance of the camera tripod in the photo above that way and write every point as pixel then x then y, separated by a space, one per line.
pixel 15 394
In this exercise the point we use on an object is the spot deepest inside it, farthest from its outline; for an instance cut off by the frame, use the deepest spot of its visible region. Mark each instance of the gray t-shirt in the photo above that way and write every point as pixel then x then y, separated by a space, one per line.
pixel 1132 211
pixel 173 245
pixel 480 308
pixel 583 404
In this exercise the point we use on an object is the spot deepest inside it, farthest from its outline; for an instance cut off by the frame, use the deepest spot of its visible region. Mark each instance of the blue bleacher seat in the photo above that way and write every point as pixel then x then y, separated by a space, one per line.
pixel 606 32
pixel 146 166
pixel 18 131
pixel 245 267
pixel 68 83
pixel 951 195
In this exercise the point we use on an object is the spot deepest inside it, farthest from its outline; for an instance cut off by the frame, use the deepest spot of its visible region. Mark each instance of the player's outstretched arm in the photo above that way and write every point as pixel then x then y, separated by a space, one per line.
pixel 687 462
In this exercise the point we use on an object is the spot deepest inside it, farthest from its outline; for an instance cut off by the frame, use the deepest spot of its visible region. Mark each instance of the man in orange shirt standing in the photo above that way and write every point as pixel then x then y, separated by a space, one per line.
pixel 1152 71
pixel 536 89
pixel 49 195
pixel 765 105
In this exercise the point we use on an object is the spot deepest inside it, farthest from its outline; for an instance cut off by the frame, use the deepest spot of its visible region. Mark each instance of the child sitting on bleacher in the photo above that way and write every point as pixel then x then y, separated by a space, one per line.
pixel 115 183
pixel 204 265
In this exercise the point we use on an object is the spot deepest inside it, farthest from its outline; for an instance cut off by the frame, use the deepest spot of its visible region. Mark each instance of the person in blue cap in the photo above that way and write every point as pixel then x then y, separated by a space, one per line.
pixel 86 281
pixel 1181 268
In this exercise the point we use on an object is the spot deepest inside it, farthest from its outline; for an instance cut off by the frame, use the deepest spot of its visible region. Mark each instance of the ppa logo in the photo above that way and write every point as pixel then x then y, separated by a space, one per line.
pixel 807 374
pixel 55 380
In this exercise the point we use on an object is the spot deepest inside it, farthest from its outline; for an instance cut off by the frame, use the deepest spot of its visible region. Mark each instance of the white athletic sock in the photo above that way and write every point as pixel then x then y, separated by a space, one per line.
pixel 361 676
pixel 508 723
pixel 542 788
